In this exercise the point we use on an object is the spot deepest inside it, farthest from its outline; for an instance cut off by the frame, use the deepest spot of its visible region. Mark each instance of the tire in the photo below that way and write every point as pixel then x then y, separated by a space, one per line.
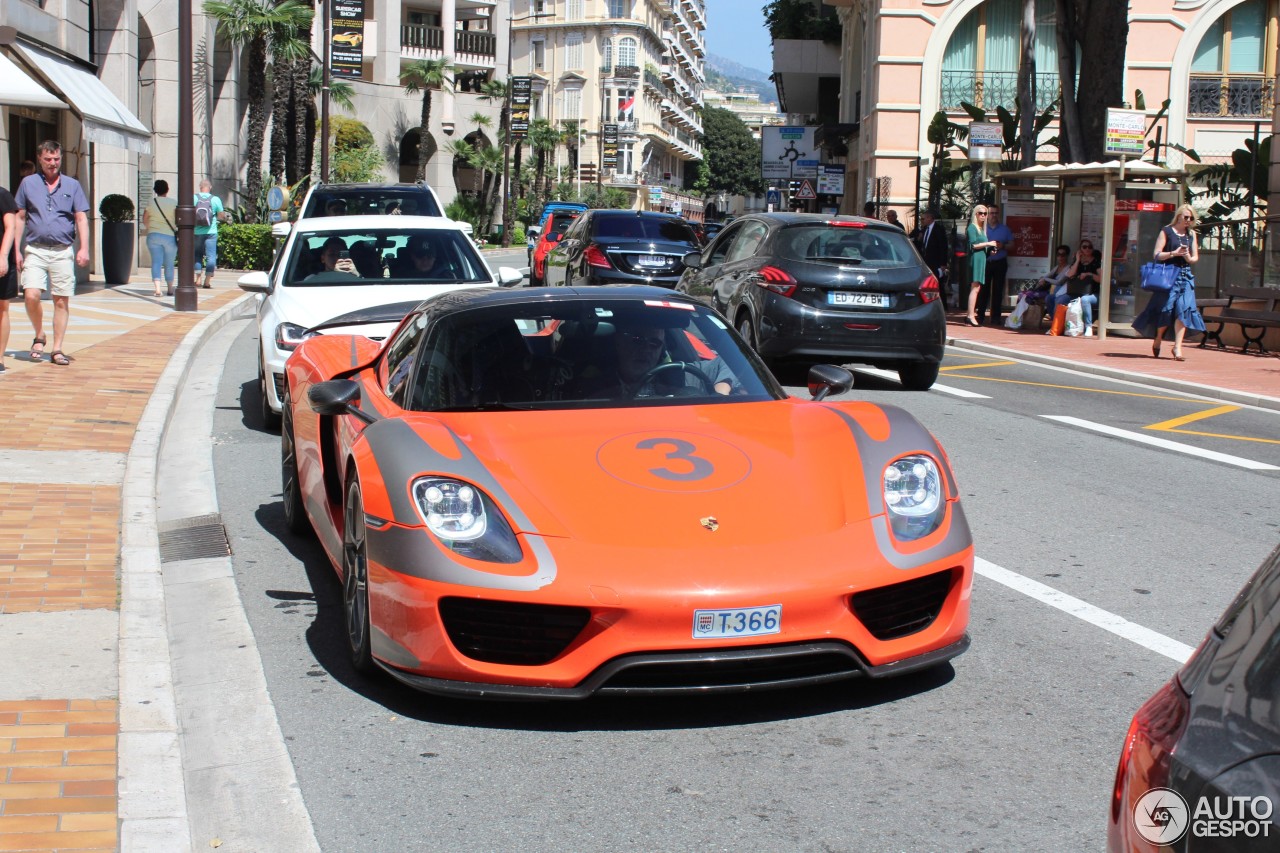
pixel 745 331
pixel 270 418
pixel 355 579
pixel 295 515
pixel 918 375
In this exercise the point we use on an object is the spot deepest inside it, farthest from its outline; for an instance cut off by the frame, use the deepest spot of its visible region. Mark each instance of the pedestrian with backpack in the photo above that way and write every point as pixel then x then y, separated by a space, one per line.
pixel 208 212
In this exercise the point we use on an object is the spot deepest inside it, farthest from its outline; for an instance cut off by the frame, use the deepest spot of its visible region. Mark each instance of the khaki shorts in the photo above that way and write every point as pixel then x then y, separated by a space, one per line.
pixel 49 269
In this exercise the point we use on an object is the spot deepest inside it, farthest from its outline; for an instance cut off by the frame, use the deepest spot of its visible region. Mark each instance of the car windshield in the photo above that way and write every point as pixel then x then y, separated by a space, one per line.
pixel 383 256
pixel 868 247
pixel 408 201
pixel 632 227
pixel 585 353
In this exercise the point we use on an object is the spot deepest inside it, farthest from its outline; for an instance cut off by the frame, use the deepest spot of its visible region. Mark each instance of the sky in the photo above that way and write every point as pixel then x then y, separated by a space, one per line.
pixel 736 30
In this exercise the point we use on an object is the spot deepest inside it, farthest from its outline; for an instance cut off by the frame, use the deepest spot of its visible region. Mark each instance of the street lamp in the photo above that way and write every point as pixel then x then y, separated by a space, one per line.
pixel 508 215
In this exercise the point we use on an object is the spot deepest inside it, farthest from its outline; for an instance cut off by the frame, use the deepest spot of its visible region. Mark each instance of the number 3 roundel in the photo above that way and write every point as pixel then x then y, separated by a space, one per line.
pixel 674 461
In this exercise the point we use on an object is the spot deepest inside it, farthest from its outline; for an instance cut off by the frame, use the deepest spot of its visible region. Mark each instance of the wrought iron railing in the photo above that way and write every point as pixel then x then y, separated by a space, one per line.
pixel 1241 96
pixel 654 79
pixel 991 89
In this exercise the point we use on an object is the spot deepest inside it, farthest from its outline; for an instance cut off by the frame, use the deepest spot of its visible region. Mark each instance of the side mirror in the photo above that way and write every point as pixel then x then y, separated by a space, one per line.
pixel 692 260
pixel 335 397
pixel 255 282
pixel 827 379
pixel 281 229
pixel 508 276
pixel 554 238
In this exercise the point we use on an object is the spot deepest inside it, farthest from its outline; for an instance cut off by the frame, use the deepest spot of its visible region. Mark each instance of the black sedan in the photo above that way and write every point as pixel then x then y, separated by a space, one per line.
pixel 621 247
pixel 809 287
pixel 1200 768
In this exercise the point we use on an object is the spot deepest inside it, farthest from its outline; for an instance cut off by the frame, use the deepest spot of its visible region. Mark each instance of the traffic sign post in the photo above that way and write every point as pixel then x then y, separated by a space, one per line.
pixel 805 192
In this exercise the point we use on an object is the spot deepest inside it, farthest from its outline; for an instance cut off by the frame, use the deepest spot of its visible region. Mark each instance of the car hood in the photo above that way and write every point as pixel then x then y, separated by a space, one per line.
pixel 759 472
pixel 311 306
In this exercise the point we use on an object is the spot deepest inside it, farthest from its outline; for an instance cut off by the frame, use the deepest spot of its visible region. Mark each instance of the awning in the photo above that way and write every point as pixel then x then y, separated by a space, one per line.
pixel 19 90
pixel 105 119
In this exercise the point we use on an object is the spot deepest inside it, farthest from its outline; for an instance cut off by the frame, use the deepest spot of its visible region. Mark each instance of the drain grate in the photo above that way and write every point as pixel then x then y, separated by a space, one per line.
pixel 194 538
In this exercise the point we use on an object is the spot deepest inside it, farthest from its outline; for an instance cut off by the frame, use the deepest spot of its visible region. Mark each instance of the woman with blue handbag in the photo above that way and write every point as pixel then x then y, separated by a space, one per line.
pixel 1176 247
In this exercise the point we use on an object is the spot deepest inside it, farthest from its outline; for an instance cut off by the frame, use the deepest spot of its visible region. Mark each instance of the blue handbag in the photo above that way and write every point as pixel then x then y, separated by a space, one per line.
pixel 1158 277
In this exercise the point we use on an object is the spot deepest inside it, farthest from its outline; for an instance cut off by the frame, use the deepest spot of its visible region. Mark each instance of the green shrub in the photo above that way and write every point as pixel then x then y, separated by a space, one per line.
pixel 116 208
pixel 349 133
pixel 517 234
pixel 245 247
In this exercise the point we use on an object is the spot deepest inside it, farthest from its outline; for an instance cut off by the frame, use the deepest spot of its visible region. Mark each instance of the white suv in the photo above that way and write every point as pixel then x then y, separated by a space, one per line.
pixel 416 199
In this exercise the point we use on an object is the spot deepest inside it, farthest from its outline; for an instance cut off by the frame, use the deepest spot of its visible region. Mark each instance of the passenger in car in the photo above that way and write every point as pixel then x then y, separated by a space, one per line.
pixel 332 260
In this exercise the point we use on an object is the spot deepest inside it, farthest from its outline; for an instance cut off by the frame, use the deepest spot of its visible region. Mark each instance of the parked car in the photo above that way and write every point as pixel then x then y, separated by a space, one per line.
pixel 311 281
pixel 1207 743
pixel 558 206
pixel 368 199
pixel 466 480
pixel 810 287
pixel 553 230
pixel 710 230
pixel 621 247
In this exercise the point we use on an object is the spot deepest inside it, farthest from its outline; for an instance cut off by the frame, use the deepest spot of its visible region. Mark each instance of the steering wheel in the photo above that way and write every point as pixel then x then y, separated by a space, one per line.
pixel 646 381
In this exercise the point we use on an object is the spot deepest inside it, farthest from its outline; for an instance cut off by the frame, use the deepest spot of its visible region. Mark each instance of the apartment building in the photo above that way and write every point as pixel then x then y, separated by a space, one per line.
pixel 898 63
pixel 636 64
pixel 746 106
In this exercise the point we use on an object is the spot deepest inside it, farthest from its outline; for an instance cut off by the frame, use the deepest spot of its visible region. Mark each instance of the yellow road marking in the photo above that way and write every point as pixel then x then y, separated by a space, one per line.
pixel 984 364
pixel 1172 425
pixel 1075 388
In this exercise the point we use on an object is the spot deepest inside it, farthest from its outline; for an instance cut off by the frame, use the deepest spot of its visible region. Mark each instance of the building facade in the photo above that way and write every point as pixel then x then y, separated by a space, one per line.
pixel 900 62
pixel 746 106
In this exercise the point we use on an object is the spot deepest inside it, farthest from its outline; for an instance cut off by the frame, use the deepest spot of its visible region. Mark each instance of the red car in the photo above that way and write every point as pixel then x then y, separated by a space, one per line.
pixel 551 234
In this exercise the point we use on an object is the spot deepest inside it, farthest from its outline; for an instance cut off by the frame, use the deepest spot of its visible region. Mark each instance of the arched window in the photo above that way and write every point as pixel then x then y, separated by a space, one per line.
pixel 627 52
pixel 1232 71
pixel 980 64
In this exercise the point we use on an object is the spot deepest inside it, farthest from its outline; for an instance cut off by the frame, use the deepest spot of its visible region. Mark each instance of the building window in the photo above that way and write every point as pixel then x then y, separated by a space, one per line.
pixel 573 10
pixel 539 50
pixel 1232 73
pixel 540 7
pixel 619 8
pixel 980 65
pixel 535 106
pixel 627 52
pixel 572 104
pixel 573 52
pixel 626 158
pixel 606 55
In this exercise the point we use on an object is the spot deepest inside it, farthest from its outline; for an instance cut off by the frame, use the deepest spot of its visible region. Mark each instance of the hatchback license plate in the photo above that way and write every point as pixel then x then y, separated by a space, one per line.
pixel 652 261
pixel 870 300
pixel 739 622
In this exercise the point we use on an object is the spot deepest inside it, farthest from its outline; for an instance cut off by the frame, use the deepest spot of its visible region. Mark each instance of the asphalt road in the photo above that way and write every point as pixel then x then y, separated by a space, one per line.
pixel 1013 746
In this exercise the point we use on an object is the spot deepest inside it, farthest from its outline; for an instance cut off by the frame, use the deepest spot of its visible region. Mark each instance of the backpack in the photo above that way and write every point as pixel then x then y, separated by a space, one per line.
pixel 204 211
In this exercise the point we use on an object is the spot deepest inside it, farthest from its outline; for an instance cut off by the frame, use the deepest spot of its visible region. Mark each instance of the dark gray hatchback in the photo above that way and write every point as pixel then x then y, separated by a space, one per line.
pixel 810 287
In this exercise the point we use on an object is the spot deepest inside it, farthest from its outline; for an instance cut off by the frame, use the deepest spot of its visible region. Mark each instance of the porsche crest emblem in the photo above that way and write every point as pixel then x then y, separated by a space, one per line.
pixel 710 523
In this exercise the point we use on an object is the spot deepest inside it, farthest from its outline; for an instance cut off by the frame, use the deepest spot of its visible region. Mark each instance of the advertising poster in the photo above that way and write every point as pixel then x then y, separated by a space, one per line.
pixel 788 153
pixel 1031 252
pixel 831 180
pixel 346 38
pixel 609 157
pixel 521 95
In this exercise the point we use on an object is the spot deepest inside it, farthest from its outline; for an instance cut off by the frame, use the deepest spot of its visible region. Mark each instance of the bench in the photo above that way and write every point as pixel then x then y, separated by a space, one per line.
pixel 1257 319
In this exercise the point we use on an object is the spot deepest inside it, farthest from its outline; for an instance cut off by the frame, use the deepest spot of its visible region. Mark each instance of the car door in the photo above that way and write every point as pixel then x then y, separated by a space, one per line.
pixel 702 283
pixel 732 288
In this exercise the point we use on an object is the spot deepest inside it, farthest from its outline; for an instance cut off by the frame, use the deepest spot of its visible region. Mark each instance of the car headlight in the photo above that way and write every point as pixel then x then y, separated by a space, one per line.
pixel 465 520
pixel 290 335
pixel 914 497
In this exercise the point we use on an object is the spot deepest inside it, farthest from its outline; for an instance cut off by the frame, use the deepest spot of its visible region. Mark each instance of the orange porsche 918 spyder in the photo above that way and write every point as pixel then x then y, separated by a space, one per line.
pixel 533 494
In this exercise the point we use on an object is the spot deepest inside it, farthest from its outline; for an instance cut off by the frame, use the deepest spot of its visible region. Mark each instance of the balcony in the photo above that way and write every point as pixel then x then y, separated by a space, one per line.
pixel 991 89
pixel 654 79
pixel 1221 96
pixel 471 49
pixel 620 72
pixel 799 66
pixel 696 12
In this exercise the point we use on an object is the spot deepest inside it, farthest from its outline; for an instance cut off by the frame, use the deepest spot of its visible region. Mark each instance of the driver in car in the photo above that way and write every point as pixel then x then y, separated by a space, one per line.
pixel 637 369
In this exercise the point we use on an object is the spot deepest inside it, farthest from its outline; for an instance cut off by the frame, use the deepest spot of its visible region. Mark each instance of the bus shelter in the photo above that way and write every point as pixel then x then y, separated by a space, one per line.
pixel 1120 206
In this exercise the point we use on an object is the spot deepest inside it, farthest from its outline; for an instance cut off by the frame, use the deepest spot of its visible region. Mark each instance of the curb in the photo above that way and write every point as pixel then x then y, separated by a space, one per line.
pixel 1212 392
pixel 152 801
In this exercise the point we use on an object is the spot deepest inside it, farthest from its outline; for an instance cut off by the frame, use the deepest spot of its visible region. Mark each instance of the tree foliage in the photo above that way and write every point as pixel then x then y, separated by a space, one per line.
pixel 801 19
pixel 423 76
pixel 1099 29
pixel 731 152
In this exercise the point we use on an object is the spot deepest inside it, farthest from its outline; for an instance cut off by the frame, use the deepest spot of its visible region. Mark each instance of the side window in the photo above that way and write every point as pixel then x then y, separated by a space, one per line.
pixel 720 248
pixel 401 355
pixel 748 240
pixel 578 229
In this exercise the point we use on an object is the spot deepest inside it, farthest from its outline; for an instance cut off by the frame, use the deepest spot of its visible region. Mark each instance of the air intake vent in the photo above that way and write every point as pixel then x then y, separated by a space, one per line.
pixel 511 633
pixel 903 608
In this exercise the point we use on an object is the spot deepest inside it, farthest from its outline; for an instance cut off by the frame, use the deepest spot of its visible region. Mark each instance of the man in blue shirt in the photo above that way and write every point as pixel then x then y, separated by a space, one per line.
pixel 53 214
pixel 993 292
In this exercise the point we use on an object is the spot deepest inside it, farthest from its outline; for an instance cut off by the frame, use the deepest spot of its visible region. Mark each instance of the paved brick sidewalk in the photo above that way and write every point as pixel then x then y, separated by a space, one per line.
pixel 60 550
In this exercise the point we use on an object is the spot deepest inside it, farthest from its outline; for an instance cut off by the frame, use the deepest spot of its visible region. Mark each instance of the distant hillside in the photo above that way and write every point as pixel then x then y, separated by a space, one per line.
pixel 725 75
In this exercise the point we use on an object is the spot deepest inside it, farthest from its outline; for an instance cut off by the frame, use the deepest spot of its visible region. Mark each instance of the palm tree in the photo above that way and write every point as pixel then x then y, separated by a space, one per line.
pixel 1027 84
pixel 544 138
pixel 263 27
pixel 499 90
pixel 422 76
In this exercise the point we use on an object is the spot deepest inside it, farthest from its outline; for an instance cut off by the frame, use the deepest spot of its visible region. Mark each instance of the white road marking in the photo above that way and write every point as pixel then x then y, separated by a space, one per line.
pixel 1164 443
pixel 1073 606
pixel 892 376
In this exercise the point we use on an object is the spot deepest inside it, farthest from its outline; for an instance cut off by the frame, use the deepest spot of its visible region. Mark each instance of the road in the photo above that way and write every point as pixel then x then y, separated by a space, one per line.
pixel 1102 561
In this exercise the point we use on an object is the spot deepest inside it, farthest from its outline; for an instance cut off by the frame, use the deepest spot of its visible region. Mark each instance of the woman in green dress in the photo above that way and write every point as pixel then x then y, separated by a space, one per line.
pixel 979 245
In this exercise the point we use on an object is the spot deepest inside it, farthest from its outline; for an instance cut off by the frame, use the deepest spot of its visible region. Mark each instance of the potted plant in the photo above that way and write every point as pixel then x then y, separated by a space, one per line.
pixel 117 238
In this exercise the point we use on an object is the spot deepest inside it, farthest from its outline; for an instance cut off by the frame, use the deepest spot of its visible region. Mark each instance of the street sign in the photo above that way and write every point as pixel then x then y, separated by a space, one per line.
pixel 806 193
pixel 831 180
pixel 277 199
pixel 773 197
pixel 1126 132
pixel 986 140
pixel 275 215
pixel 788 152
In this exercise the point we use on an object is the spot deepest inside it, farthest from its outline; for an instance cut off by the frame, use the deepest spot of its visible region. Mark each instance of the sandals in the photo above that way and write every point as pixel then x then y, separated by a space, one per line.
pixel 1155 349
pixel 1177 354
pixel 57 357
pixel 37 354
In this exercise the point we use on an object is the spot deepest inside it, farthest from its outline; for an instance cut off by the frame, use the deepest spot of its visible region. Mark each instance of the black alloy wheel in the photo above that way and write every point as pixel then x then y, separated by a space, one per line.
pixel 355 579
pixel 295 515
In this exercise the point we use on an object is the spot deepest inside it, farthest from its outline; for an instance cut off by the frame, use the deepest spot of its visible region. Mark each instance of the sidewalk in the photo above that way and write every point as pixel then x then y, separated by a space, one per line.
pixel 89 750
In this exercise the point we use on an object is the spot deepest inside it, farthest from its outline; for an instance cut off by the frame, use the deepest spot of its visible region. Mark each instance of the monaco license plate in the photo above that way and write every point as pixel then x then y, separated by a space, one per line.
pixel 739 622
pixel 864 300
pixel 652 261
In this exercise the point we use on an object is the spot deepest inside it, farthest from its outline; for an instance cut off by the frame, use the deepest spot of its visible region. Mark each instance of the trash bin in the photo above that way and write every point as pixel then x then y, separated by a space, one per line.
pixel 1122 302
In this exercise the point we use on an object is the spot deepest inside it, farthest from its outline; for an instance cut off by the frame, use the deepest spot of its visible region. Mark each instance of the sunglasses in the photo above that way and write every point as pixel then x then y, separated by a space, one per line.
pixel 982 213
pixel 1085 246
pixel 1187 216
pixel 642 340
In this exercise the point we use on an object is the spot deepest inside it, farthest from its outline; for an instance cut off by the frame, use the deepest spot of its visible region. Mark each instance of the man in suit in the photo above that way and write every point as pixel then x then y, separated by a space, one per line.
pixel 931 239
